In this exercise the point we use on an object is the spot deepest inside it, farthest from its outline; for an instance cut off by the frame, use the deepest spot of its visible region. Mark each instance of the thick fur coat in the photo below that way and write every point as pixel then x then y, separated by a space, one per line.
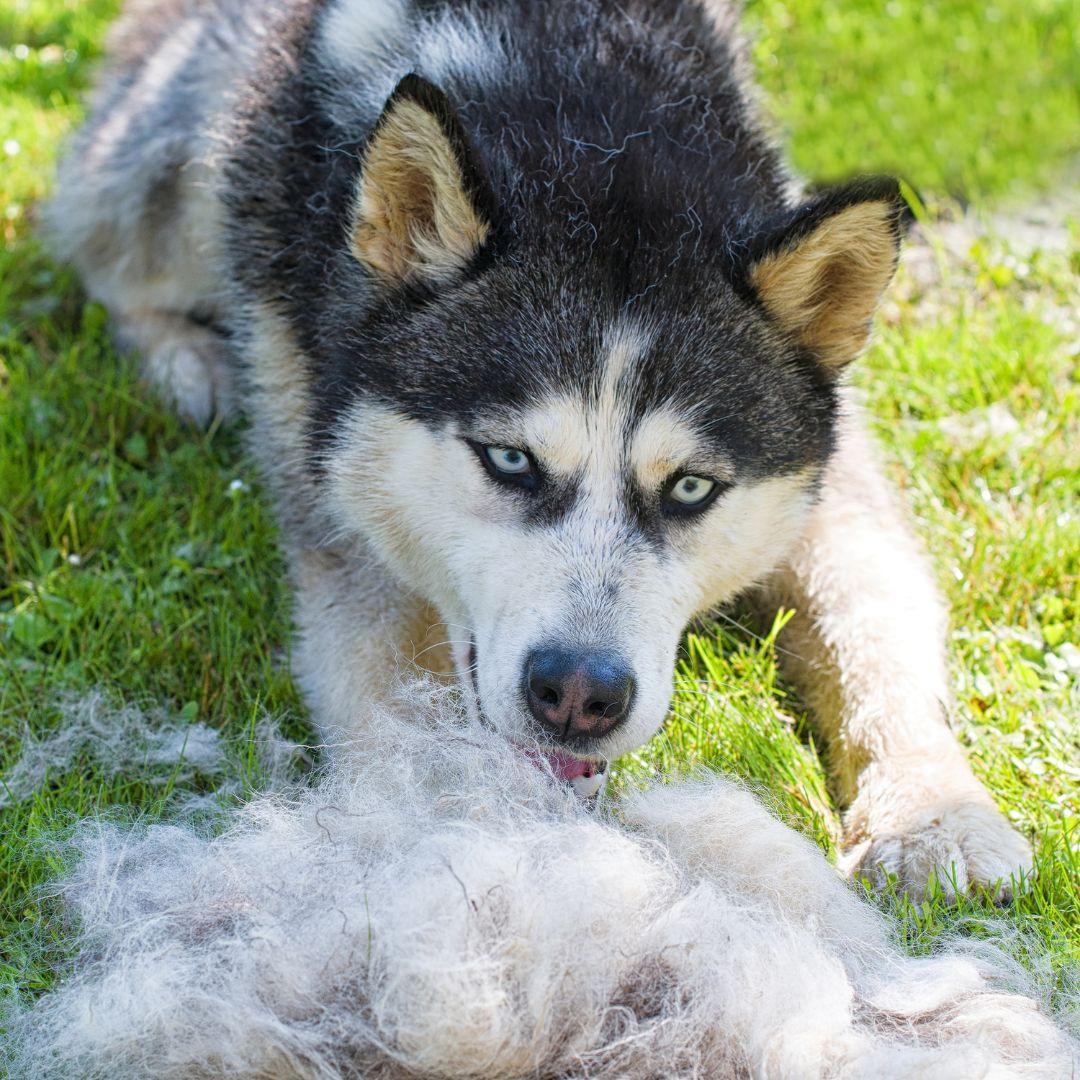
pixel 544 357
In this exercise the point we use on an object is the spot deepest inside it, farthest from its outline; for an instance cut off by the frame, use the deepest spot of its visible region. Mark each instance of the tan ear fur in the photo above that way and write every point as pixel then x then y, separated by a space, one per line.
pixel 825 288
pixel 413 216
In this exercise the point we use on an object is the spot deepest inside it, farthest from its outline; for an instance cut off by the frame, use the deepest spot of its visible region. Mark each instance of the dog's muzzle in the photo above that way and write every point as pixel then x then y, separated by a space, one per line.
pixel 585 777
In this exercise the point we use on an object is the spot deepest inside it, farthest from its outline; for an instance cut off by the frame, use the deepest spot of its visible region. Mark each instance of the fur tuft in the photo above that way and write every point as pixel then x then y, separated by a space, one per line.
pixel 435 905
pixel 159 748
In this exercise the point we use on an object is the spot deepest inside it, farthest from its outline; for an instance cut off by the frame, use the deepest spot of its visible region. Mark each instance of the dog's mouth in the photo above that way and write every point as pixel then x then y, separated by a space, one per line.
pixel 585 776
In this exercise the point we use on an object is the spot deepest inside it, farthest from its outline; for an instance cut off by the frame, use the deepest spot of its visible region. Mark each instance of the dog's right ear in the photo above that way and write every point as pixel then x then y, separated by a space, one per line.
pixel 820 271
pixel 423 208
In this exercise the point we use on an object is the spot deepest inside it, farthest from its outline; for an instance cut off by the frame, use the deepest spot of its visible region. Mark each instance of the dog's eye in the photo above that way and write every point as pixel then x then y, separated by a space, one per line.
pixel 508 460
pixel 507 464
pixel 690 493
pixel 692 490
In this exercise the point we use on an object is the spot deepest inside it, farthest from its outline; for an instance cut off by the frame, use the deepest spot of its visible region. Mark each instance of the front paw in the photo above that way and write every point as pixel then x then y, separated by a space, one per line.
pixel 913 831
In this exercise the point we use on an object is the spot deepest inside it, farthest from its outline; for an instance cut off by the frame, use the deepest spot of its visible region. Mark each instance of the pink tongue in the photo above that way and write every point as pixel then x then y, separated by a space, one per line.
pixel 564 766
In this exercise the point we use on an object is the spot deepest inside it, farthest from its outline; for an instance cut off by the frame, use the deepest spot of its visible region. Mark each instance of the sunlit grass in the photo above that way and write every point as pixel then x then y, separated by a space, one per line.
pixel 961 98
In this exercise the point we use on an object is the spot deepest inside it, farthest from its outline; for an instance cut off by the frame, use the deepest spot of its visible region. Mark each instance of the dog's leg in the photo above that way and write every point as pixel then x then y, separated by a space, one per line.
pixel 358 631
pixel 866 648
pixel 187 363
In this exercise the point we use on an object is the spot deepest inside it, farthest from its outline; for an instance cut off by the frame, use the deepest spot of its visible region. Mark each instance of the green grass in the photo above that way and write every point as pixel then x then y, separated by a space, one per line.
pixel 130 560
pixel 962 98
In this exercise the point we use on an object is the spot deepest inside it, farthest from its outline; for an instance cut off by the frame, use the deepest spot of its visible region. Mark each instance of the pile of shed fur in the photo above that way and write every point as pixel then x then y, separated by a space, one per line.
pixel 435 905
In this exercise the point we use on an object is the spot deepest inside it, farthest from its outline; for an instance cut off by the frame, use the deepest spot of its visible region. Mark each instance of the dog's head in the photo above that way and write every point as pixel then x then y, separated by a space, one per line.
pixel 572 448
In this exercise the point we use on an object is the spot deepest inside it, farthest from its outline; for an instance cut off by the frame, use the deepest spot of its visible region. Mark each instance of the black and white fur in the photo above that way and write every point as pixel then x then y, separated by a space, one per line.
pixel 400 231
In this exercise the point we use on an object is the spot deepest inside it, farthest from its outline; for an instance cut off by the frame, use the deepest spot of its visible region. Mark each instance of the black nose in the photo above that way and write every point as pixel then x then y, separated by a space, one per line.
pixel 578 694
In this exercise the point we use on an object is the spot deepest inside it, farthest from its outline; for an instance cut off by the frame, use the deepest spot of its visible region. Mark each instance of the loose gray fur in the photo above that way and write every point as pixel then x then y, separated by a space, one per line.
pixel 119 741
pixel 435 906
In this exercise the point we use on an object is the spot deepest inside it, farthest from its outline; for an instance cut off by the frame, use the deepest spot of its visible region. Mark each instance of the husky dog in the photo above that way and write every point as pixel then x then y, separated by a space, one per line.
pixel 543 353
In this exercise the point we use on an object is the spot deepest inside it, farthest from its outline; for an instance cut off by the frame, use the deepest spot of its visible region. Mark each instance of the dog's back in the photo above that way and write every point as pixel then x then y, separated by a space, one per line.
pixel 135 209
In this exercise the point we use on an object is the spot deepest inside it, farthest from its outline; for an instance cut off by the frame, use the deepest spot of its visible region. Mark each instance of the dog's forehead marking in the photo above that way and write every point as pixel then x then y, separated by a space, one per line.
pixel 592 438
pixel 578 435
pixel 583 436
pixel 556 431
pixel 625 344
pixel 663 442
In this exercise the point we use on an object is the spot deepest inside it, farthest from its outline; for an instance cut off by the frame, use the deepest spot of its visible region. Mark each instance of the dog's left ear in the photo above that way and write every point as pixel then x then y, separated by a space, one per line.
pixel 423 207
pixel 821 272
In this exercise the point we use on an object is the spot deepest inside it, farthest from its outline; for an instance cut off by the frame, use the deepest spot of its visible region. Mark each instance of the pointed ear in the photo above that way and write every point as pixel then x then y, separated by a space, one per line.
pixel 821 273
pixel 423 207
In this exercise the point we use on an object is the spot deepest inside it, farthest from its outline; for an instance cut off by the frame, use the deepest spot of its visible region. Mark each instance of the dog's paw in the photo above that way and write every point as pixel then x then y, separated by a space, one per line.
pixel 958 838
pixel 192 375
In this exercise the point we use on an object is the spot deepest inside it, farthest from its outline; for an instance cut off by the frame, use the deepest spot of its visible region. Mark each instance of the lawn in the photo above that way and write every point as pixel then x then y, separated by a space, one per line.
pixel 138 557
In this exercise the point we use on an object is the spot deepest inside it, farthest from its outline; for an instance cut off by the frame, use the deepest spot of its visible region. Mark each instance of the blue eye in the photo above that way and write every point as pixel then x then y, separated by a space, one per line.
pixel 508 460
pixel 508 464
